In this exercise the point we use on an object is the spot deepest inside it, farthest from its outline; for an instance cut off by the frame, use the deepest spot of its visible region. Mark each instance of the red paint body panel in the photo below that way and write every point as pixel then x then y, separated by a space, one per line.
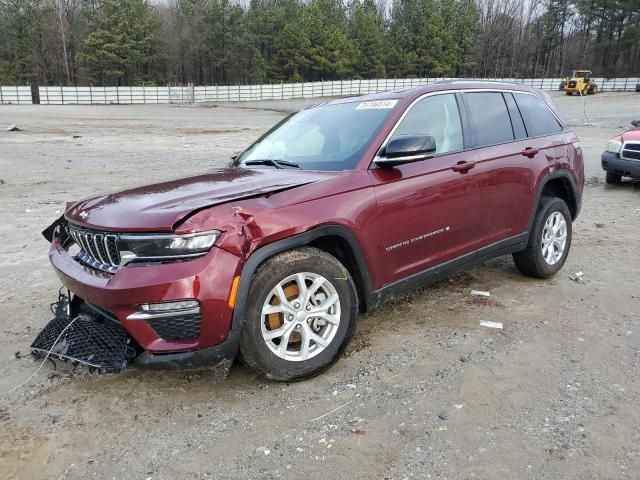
pixel 632 134
pixel 208 279
pixel 159 207
pixel 415 201
pixel 405 219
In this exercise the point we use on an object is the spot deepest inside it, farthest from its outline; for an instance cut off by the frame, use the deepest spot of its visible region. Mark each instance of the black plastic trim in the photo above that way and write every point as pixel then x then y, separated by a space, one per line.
pixel 467 138
pixel 219 355
pixel 621 166
pixel 562 174
pixel 263 253
pixel 451 267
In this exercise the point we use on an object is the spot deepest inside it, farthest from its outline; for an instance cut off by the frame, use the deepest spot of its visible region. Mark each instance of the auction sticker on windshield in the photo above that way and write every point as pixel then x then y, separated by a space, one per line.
pixel 376 104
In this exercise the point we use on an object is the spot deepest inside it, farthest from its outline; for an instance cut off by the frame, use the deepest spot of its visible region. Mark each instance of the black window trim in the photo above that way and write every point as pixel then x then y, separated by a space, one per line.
pixel 515 112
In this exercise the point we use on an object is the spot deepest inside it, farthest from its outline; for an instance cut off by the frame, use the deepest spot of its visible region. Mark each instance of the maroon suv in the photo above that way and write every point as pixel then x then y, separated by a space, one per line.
pixel 331 211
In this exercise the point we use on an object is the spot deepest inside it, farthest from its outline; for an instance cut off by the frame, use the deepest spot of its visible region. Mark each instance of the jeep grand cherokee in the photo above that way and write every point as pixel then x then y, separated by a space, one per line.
pixel 334 209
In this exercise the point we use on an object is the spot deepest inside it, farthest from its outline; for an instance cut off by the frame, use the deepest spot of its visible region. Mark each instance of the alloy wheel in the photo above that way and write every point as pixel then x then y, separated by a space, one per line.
pixel 554 238
pixel 300 316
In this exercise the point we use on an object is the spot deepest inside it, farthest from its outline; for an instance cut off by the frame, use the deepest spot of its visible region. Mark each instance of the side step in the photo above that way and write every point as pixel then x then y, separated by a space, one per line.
pixel 99 344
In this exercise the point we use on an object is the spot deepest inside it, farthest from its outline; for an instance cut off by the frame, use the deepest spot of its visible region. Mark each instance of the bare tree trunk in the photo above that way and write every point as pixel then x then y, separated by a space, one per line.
pixel 64 43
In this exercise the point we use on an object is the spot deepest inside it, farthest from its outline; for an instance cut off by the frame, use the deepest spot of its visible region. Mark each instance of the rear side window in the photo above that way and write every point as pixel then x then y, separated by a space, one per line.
pixel 490 118
pixel 537 117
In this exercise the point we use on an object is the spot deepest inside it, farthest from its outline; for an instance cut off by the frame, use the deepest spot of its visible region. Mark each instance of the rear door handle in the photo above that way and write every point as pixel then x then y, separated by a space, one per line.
pixel 463 167
pixel 529 152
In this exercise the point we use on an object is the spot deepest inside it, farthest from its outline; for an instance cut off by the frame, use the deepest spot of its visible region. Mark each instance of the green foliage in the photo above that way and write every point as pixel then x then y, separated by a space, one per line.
pixel 290 58
pixel 123 44
pixel 19 25
pixel 129 42
pixel 367 31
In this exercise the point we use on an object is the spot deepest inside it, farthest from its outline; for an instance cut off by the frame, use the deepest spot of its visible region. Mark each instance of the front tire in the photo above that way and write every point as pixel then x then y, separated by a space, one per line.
pixel 613 178
pixel 301 315
pixel 549 240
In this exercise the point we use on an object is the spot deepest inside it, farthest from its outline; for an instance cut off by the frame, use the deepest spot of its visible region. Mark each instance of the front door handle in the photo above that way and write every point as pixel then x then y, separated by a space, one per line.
pixel 463 167
pixel 529 152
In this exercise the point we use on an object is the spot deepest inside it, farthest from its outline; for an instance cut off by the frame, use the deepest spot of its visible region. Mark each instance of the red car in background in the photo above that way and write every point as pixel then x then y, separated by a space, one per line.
pixel 622 155
pixel 336 208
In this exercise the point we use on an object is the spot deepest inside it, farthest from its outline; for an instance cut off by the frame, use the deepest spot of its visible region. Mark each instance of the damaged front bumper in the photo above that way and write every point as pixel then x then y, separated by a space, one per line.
pixel 82 334
pixel 97 343
pixel 166 315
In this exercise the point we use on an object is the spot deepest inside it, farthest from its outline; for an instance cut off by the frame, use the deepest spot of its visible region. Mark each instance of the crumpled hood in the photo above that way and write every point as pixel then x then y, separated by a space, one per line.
pixel 160 206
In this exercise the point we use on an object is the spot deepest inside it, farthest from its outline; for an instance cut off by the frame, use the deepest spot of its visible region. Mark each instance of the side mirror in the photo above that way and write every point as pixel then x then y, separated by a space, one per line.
pixel 407 149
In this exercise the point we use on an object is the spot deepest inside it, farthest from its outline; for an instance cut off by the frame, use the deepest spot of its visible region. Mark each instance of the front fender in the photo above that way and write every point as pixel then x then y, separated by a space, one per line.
pixel 261 254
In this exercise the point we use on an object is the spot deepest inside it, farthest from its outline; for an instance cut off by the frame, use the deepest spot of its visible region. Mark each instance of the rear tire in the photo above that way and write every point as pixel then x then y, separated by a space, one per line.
pixel 549 240
pixel 279 311
pixel 613 178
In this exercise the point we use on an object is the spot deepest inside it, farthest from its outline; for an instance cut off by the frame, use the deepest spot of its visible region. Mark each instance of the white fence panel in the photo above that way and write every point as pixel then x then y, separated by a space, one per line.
pixel 271 91
pixel 15 95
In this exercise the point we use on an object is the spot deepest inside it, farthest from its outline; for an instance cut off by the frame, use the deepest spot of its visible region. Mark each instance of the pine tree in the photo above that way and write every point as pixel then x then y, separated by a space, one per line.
pixel 123 44
pixel 368 35
pixel 19 29
pixel 290 60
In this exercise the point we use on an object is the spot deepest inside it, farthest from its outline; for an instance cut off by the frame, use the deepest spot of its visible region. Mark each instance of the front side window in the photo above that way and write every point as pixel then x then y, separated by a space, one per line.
pixel 328 137
pixel 437 116
pixel 490 118
pixel 537 117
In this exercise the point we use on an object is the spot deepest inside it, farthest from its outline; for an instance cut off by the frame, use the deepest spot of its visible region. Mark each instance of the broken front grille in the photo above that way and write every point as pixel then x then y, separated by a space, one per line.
pixel 101 345
pixel 98 250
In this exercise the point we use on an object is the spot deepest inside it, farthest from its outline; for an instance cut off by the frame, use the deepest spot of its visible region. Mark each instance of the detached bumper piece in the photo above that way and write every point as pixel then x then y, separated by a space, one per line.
pixel 101 345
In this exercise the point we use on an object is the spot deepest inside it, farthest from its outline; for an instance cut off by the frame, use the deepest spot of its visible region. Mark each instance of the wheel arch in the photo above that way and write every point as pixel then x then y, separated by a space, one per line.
pixel 557 184
pixel 337 240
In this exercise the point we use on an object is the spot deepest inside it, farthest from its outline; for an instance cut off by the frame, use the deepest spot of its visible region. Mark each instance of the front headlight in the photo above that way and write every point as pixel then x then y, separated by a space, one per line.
pixel 165 246
pixel 613 146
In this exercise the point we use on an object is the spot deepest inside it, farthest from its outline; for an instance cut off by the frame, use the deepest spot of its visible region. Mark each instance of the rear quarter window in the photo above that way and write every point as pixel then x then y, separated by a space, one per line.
pixel 536 115
pixel 490 118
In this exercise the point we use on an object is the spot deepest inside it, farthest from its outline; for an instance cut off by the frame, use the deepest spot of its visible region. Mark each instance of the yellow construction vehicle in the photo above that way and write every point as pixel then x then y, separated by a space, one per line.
pixel 580 82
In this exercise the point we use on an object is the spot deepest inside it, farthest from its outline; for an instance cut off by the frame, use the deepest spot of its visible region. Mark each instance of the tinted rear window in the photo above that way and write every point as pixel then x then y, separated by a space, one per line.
pixel 537 117
pixel 490 118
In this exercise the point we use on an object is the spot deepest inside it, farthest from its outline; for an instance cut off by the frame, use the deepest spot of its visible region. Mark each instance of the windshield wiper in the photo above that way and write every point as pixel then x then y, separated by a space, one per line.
pixel 275 163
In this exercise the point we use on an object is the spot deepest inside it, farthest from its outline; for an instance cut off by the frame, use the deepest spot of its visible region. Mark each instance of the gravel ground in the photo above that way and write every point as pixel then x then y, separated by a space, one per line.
pixel 423 391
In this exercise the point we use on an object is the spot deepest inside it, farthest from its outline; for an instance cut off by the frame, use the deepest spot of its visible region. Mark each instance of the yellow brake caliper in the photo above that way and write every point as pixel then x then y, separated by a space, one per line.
pixel 276 320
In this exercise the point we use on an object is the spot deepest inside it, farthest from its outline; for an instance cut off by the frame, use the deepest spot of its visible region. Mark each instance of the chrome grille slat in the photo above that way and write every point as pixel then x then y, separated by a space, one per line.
pixel 106 249
pixel 97 249
pixel 88 237
pixel 83 242
pixel 97 241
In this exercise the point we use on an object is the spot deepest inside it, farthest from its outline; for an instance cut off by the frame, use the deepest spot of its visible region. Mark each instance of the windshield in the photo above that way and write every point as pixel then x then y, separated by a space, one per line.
pixel 329 137
pixel 577 74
